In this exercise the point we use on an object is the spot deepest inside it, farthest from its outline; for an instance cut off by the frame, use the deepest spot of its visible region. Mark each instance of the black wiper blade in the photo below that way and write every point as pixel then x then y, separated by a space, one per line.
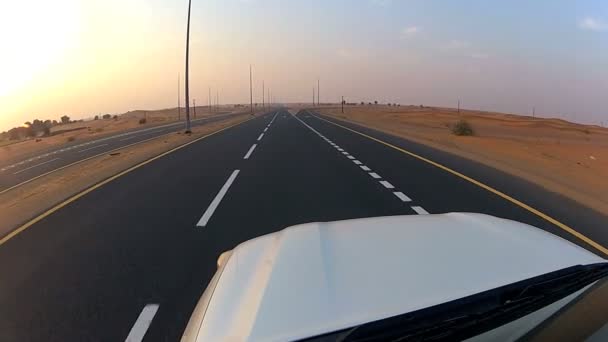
pixel 469 316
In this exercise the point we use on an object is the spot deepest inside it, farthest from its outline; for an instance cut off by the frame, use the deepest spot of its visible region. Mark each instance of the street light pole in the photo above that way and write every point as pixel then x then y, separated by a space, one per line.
pixel 188 126
pixel 342 104
pixel 250 90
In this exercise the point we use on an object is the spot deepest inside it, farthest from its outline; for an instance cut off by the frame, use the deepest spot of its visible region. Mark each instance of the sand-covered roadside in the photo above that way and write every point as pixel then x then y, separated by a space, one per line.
pixel 563 157
pixel 24 202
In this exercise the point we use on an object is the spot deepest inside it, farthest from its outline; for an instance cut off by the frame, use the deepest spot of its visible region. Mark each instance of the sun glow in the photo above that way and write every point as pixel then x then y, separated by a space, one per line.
pixel 34 35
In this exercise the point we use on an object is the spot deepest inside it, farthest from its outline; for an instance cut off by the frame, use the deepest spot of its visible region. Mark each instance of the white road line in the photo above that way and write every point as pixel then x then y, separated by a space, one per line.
pixel 265 129
pixel 90 148
pixel 375 175
pixel 250 151
pixel 129 138
pixel 261 136
pixel 350 157
pixel 357 162
pixel 216 201
pixel 365 168
pixel 402 196
pixel 420 210
pixel 339 149
pixel 345 153
pixel 387 184
pixel 31 167
pixel 142 324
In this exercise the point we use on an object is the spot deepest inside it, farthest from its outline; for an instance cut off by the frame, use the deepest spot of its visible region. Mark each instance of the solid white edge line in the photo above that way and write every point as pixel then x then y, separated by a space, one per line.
pixel 420 210
pixel 402 196
pixel 139 329
pixel 250 151
pixel 31 167
pixel 216 201
pixel 387 184
pixel 261 136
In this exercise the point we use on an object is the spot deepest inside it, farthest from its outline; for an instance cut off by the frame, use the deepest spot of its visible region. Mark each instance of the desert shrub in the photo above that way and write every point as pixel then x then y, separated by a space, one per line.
pixel 99 130
pixel 462 128
pixel 142 121
pixel 71 138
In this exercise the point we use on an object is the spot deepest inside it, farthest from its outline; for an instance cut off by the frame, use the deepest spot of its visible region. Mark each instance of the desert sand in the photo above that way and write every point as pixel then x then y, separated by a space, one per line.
pixel 561 156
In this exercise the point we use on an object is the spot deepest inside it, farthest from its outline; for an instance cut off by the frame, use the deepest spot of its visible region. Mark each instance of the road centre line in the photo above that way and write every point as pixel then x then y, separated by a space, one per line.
pixel 387 184
pixel 499 193
pixel 357 162
pixel 139 329
pixel 90 148
pixel 420 210
pixel 375 175
pixel 250 151
pixel 261 136
pixel 81 194
pixel 216 201
pixel 402 196
pixel 350 157
pixel 31 167
pixel 365 168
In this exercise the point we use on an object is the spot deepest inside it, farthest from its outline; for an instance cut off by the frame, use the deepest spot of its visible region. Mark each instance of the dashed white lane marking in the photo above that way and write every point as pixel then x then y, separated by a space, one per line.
pixel 375 175
pixel 340 149
pixel 357 162
pixel 420 210
pixel 345 153
pixel 365 168
pixel 33 166
pixel 139 329
pixel 216 201
pixel 402 196
pixel 350 157
pixel 129 138
pixel 387 184
pixel 265 129
pixel 90 148
pixel 261 136
pixel 250 151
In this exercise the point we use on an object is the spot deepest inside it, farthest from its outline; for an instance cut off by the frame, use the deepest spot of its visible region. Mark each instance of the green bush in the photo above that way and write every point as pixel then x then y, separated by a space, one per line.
pixel 462 128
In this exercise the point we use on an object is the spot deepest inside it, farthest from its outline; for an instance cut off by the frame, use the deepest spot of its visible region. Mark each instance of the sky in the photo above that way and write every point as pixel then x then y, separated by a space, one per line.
pixel 83 58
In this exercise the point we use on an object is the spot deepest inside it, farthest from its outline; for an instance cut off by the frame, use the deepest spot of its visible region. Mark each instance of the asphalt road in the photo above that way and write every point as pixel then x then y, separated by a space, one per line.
pixel 16 173
pixel 150 239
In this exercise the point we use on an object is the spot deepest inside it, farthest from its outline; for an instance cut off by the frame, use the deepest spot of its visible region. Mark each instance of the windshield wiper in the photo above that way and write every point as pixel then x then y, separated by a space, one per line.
pixel 470 316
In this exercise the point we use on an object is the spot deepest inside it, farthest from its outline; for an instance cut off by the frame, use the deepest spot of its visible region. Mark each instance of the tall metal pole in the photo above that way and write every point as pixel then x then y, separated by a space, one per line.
pixel 313 96
pixel 263 101
pixel 342 104
pixel 194 107
pixel 209 99
pixel 188 126
pixel 318 92
pixel 458 106
pixel 250 90
pixel 179 109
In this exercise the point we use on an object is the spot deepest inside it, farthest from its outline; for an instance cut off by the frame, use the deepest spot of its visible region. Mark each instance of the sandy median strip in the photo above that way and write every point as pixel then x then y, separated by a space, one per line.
pixel 23 203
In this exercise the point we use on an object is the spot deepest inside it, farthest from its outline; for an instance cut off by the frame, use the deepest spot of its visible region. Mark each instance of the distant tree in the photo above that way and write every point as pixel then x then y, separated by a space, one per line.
pixel 421 106
pixel 65 119
pixel 375 102
pixel 55 123
pixel 388 104
pixel 362 103
pixel 115 117
pixel 106 116
pixel 96 117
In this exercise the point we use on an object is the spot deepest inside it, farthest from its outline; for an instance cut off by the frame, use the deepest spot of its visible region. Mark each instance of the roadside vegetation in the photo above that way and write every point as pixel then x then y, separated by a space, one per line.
pixel 462 128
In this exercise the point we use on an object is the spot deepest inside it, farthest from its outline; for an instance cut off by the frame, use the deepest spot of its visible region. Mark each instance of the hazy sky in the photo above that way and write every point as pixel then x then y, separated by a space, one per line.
pixel 87 57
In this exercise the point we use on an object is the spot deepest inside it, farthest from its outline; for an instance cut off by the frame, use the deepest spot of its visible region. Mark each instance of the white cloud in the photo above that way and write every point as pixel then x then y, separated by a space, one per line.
pixel 410 31
pixel 593 24
pixel 456 45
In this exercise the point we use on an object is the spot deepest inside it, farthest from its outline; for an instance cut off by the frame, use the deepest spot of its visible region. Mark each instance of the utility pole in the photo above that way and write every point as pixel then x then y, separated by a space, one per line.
pixel 209 100
pixel 533 112
pixel 250 90
pixel 313 96
pixel 458 106
pixel 263 101
pixel 194 106
pixel 187 85
pixel 179 109
pixel 217 100
pixel 318 92
pixel 342 104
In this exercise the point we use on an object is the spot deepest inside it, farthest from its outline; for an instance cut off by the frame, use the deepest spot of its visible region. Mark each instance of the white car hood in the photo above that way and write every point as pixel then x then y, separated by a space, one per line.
pixel 316 278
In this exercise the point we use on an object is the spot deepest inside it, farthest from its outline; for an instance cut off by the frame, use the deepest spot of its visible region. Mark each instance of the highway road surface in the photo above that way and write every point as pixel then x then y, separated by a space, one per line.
pixel 18 172
pixel 143 247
